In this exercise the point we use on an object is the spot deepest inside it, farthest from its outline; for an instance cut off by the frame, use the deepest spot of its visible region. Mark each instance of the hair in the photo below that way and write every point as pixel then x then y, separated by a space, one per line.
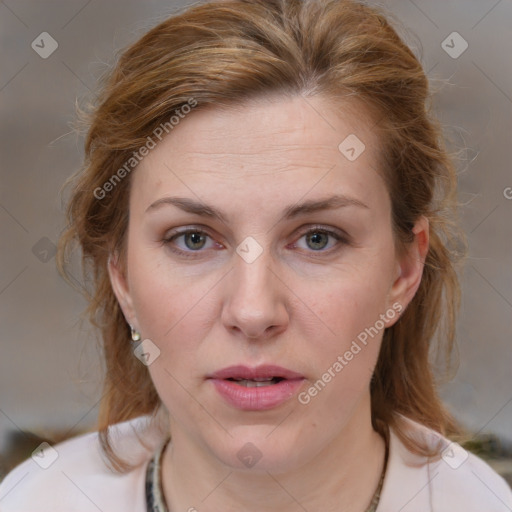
pixel 219 54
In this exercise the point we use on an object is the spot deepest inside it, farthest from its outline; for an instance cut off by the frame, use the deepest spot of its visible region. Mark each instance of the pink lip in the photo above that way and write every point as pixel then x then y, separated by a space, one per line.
pixel 256 398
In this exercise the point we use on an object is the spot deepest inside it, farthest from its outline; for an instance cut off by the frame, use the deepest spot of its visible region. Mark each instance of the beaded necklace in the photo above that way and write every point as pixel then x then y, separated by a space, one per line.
pixel 155 499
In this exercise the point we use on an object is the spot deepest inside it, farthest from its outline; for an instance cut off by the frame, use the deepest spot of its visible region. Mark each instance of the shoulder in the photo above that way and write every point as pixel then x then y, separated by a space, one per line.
pixel 459 480
pixel 74 475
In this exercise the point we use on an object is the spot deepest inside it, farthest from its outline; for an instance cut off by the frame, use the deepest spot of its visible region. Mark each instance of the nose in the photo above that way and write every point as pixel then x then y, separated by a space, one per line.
pixel 255 304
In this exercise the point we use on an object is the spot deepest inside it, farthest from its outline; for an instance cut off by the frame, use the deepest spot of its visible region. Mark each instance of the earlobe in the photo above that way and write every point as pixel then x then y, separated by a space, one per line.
pixel 120 288
pixel 410 266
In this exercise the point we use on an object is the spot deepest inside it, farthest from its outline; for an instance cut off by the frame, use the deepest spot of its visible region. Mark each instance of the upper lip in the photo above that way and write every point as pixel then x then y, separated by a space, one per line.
pixel 259 372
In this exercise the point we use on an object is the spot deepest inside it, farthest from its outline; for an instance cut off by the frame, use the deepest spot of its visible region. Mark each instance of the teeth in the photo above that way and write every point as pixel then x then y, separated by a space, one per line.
pixel 256 383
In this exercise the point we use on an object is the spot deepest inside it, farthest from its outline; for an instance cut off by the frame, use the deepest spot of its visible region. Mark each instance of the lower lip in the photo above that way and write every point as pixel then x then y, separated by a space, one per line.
pixel 257 398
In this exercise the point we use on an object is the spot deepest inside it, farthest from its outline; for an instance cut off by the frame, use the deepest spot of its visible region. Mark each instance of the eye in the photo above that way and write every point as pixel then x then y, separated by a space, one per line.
pixel 320 239
pixel 188 241
pixel 192 242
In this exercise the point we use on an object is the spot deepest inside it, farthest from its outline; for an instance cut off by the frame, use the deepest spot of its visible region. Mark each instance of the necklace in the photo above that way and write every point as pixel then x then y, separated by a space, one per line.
pixel 155 499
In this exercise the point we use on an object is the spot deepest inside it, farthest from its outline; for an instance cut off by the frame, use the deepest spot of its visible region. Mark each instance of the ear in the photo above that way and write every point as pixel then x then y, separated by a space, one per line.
pixel 410 267
pixel 121 289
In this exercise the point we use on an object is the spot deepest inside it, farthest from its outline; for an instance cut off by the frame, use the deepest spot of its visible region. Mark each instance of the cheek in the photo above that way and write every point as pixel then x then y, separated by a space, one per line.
pixel 175 313
pixel 344 347
pixel 169 304
pixel 347 339
pixel 348 301
pixel 343 357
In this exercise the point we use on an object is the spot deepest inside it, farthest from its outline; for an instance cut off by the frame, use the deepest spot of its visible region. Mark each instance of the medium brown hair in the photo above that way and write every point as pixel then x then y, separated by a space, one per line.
pixel 221 53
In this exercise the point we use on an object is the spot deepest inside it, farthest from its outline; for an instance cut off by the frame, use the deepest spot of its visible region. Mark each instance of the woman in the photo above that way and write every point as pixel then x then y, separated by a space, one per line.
pixel 265 207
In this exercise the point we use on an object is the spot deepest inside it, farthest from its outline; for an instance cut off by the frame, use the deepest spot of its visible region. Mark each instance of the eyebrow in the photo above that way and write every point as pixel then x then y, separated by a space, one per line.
pixel 290 212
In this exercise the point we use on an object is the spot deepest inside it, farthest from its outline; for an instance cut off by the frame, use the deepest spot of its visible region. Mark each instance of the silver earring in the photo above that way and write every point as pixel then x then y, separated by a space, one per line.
pixel 135 334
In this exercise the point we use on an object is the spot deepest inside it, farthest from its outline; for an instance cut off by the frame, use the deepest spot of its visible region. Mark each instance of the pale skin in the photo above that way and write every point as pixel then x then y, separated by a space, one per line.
pixel 299 305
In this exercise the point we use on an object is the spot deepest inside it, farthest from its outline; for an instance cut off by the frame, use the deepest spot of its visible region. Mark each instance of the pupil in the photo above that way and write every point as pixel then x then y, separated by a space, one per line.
pixel 195 238
pixel 316 240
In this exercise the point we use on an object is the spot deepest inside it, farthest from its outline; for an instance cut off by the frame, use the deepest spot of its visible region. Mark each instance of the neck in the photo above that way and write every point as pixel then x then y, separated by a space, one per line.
pixel 343 476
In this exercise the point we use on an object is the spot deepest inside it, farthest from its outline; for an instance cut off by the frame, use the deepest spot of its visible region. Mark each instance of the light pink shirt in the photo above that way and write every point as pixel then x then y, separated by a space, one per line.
pixel 79 481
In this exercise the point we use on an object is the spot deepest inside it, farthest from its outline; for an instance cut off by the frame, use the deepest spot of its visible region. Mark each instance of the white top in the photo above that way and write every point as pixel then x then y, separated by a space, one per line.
pixel 78 480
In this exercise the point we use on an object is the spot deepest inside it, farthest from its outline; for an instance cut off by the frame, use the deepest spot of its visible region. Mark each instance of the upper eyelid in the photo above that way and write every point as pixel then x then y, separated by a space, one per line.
pixel 193 228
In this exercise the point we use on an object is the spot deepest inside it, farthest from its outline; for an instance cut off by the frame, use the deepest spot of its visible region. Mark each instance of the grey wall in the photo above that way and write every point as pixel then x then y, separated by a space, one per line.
pixel 49 365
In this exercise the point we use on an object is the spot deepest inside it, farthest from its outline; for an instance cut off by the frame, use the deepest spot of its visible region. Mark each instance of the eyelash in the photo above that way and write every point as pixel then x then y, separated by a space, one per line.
pixel 341 239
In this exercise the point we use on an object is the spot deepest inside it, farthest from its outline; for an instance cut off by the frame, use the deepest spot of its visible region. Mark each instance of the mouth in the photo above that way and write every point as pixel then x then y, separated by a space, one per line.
pixel 255 389
pixel 256 383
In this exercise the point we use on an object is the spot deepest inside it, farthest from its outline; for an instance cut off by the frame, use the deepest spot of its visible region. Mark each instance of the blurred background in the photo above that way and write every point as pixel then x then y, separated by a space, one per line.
pixel 53 53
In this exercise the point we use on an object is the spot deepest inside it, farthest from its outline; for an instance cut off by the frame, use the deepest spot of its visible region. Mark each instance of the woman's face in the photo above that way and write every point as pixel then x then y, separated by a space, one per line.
pixel 290 263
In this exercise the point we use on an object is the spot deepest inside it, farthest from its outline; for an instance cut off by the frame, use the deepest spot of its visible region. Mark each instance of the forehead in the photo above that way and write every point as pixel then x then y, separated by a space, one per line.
pixel 275 143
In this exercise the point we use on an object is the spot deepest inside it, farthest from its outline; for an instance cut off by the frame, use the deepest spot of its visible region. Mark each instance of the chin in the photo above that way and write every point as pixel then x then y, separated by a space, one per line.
pixel 260 449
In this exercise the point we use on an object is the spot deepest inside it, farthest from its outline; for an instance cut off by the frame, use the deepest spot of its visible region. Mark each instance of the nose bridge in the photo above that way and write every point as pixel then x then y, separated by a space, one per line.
pixel 252 277
pixel 254 303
